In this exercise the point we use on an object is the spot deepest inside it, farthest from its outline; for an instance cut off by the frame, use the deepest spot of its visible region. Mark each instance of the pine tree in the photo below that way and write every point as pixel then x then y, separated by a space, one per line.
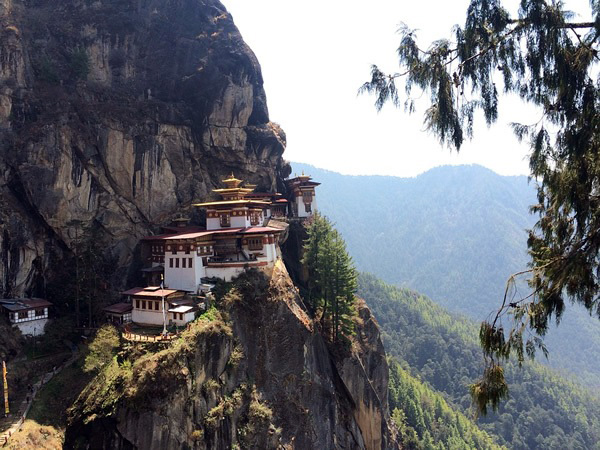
pixel 332 278
pixel 547 59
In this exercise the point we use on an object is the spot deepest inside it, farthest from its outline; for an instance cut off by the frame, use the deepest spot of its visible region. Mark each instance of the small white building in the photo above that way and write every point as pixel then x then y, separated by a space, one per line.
pixel 155 306
pixel 30 315
pixel 303 201
pixel 118 313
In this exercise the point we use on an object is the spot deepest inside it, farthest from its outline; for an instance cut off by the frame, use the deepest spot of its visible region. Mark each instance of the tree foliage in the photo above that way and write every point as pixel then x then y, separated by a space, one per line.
pixel 423 415
pixel 548 60
pixel 543 411
pixel 102 349
pixel 331 277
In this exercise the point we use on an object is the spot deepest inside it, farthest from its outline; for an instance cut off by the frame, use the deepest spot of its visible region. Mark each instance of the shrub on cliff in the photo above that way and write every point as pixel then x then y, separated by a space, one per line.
pixel 102 349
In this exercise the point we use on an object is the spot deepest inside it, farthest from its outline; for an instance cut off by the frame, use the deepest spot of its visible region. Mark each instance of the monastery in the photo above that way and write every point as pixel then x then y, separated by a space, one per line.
pixel 243 230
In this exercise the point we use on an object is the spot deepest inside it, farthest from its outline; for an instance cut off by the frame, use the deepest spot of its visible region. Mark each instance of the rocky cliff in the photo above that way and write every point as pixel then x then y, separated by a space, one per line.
pixel 257 374
pixel 119 113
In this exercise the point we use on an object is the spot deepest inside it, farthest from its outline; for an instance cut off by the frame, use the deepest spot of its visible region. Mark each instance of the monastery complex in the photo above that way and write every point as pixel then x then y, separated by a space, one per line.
pixel 243 231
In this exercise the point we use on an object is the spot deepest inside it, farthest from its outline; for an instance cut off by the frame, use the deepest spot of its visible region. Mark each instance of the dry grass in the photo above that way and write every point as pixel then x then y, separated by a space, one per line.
pixel 32 435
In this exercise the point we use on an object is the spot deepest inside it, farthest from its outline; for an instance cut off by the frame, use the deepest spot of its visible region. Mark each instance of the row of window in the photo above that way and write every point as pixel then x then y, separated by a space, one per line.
pixel 255 243
pixel 148 304
pixel 225 219
pixel 185 263
pixel 152 305
pixel 40 312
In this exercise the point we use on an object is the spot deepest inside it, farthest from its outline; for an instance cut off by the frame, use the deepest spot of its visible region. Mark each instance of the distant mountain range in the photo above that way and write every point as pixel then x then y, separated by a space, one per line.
pixel 454 233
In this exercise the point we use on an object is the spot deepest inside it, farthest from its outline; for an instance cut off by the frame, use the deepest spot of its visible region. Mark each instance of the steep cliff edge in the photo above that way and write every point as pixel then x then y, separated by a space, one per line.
pixel 119 113
pixel 258 374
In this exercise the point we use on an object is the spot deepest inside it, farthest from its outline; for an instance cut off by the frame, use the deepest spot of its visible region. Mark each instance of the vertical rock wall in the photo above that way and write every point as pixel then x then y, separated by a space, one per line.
pixel 120 113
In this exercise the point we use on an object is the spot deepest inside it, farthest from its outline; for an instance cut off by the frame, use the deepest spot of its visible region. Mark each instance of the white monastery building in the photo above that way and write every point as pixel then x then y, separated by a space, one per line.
pixel 237 237
pixel 302 196
pixel 30 315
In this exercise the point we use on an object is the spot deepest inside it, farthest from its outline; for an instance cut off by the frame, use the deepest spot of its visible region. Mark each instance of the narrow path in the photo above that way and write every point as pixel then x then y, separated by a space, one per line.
pixel 25 406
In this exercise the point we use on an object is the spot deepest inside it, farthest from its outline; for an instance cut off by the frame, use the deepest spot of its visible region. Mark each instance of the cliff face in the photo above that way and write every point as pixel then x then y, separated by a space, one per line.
pixel 257 376
pixel 119 113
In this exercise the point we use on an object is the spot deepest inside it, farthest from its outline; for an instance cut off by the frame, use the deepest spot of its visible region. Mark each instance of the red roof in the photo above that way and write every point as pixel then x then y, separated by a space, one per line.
pixel 167 237
pixel 260 230
pixel 184 235
pixel 35 302
pixel 119 308
pixel 147 293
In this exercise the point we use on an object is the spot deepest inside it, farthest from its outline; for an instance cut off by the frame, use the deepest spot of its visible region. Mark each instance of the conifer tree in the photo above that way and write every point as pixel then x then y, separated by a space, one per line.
pixel 332 277
pixel 548 59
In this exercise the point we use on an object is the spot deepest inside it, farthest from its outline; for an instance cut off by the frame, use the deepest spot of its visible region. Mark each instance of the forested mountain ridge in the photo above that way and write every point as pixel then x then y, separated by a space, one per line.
pixel 454 233
pixel 544 410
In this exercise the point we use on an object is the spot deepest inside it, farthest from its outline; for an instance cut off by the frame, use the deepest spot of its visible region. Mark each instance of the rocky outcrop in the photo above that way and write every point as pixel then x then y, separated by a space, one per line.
pixel 264 378
pixel 119 113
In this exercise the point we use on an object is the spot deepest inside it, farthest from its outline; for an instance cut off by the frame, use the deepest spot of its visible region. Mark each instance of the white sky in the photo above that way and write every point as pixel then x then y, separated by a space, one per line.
pixel 315 54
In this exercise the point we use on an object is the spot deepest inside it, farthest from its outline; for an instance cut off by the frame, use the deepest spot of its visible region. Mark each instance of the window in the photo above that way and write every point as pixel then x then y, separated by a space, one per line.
pixel 157 306
pixel 183 262
pixel 225 220
pixel 307 207
pixel 190 262
pixel 254 219
pixel 137 304
pixel 22 314
pixel 174 250
pixel 255 243
pixel 171 262
pixel 40 312
pixel 187 249
pixel 177 263
pixel 143 304
pixel 307 197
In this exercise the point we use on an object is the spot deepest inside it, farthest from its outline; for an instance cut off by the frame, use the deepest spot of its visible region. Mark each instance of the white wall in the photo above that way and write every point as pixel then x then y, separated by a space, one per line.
pixel 213 224
pixel 187 317
pixel 184 279
pixel 148 317
pixel 301 209
pixel 32 327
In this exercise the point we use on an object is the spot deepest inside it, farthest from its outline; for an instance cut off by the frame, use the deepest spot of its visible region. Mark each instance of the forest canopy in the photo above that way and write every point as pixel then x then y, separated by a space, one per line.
pixel 548 59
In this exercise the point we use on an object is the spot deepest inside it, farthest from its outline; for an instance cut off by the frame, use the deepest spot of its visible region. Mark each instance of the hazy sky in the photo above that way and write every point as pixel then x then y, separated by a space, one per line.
pixel 315 54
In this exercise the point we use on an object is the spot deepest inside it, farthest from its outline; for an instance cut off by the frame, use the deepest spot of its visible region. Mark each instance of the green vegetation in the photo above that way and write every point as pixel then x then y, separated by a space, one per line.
pixel 331 278
pixel 47 71
pixel 426 421
pixel 47 418
pixel 454 234
pixel 140 374
pixel 79 63
pixel 544 411
pixel 548 59
pixel 102 349
pixel 84 280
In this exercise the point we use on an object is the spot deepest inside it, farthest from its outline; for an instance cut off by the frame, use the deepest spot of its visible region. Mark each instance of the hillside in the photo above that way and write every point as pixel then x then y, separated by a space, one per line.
pixel 454 233
pixel 544 411
pixel 255 372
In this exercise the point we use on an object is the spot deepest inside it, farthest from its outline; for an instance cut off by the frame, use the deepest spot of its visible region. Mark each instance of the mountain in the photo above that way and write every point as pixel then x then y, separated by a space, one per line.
pixel 440 348
pixel 119 114
pixel 455 233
